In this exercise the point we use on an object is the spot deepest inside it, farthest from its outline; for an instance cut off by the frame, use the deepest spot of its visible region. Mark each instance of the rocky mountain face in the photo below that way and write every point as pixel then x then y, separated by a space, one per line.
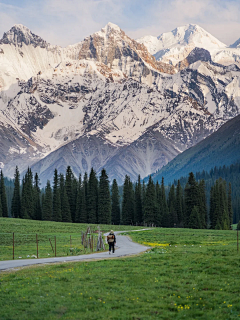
pixel 19 35
pixel 106 102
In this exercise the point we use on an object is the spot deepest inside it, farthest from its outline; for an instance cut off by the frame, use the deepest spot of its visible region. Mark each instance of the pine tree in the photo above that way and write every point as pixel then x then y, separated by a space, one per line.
pixel 127 202
pixel 66 213
pixel 150 204
pixel 83 204
pixel 74 198
pixel 3 196
pixel 138 202
pixel 115 203
pixel 219 210
pixel 202 205
pixel 165 213
pixel 36 197
pixel 179 205
pixel 16 200
pixel 92 200
pixel 78 200
pixel 61 189
pixel 27 199
pixel 224 216
pixel 194 219
pixel 47 203
pixel 191 197
pixel 70 192
pixel 104 199
pixel 159 204
pixel 230 209
pixel 57 215
pixel 172 207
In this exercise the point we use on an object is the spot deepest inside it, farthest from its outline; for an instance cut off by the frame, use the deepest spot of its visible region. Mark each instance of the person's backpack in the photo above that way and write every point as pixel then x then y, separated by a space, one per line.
pixel 110 238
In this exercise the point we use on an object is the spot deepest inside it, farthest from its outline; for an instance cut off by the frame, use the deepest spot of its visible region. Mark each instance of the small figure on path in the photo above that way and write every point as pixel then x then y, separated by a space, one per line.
pixel 111 239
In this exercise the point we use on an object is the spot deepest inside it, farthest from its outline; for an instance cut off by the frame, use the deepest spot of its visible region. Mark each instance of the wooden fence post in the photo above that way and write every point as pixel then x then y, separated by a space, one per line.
pixel 13 245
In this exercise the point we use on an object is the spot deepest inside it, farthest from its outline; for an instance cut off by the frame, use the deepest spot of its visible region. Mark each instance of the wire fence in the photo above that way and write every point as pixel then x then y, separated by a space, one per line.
pixel 29 246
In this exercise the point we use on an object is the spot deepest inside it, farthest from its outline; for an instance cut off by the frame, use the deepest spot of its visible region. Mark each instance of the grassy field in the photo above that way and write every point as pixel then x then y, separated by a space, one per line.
pixel 25 238
pixel 188 274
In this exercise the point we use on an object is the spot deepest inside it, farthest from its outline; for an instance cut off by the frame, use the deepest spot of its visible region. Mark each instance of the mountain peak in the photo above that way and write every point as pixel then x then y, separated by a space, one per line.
pixel 19 35
pixel 111 26
pixel 190 34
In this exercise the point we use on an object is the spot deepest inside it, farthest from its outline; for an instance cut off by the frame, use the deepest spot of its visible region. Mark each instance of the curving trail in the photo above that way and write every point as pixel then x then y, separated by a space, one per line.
pixel 124 247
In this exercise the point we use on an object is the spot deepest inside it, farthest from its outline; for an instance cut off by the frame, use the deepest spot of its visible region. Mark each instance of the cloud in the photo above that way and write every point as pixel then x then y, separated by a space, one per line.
pixel 66 22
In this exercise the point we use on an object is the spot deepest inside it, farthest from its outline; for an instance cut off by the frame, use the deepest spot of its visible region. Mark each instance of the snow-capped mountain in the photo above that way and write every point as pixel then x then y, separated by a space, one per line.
pixel 176 45
pixel 107 102
pixel 173 47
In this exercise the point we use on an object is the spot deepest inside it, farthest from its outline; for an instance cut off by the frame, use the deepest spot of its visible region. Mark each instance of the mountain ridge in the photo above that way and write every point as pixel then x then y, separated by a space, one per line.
pixel 220 148
pixel 110 89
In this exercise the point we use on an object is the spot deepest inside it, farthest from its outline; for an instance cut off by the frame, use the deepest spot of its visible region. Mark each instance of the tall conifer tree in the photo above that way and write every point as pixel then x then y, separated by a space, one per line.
pixel 104 199
pixel 179 205
pixel 191 197
pixel 115 203
pixel 172 207
pixel 138 202
pixel 202 205
pixel 150 204
pixel 83 202
pixel 92 200
pixel 127 202
pixel 3 196
pixel 78 200
pixel 16 200
pixel 27 199
pixel 70 192
pixel 36 197
pixel 159 203
pixel 57 215
pixel 47 203
pixel 230 209
pixel 165 213
pixel 66 213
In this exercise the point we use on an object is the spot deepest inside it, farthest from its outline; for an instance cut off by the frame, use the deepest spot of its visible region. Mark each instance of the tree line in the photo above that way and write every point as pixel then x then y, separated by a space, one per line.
pixel 90 199
pixel 231 174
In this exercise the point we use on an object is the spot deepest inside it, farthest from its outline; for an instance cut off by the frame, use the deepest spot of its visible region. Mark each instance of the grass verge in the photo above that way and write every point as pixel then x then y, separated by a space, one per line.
pixel 189 274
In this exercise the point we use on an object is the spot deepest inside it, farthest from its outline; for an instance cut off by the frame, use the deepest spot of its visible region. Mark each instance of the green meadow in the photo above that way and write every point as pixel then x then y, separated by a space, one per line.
pixel 68 238
pixel 188 274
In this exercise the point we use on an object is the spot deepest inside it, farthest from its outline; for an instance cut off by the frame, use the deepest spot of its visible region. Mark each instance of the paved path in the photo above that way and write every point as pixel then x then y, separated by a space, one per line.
pixel 125 247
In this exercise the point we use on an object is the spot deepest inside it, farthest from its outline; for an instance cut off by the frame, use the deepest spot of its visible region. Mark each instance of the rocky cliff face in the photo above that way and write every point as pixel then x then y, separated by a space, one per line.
pixel 106 102
pixel 19 35
pixel 113 48
pixel 197 54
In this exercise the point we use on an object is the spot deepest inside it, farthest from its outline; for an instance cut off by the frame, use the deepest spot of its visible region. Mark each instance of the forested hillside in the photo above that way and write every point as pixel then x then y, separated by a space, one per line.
pixel 91 199
pixel 231 174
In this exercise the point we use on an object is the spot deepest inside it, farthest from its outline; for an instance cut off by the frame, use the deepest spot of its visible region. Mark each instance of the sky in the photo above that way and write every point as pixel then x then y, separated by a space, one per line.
pixel 65 22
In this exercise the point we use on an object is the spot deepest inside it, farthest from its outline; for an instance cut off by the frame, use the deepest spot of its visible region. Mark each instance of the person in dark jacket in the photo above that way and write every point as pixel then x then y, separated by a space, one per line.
pixel 111 239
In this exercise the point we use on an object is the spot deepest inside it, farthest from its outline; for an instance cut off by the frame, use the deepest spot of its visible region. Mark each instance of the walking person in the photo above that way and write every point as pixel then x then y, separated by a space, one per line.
pixel 111 239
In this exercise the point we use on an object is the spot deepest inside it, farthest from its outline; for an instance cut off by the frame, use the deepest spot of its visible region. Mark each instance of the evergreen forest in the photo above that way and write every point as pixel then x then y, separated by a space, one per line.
pixel 91 199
